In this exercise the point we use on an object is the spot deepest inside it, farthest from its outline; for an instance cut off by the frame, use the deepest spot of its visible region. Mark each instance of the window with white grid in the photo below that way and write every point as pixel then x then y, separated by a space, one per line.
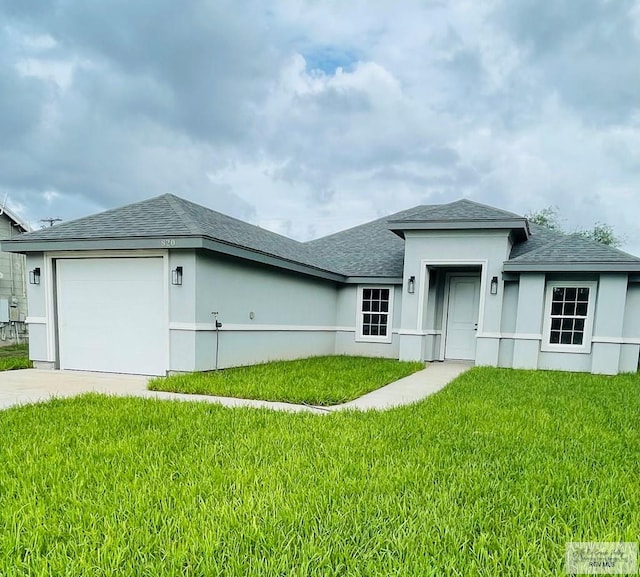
pixel 375 305
pixel 569 316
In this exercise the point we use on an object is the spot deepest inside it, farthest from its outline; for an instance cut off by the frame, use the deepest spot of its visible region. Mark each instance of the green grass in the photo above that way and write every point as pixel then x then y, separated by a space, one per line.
pixel 491 476
pixel 14 357
pixel 316 380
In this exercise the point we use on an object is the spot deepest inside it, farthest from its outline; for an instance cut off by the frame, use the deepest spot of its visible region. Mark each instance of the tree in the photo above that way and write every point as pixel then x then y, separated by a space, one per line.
pixel 547 217
pixel 601 232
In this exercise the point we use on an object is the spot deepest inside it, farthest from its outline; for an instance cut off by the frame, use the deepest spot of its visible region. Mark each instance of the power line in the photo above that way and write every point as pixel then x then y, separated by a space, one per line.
pixel 51 220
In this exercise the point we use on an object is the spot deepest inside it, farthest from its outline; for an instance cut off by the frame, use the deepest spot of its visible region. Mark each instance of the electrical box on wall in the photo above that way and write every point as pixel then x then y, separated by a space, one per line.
pixel 4 311
pixel 14 314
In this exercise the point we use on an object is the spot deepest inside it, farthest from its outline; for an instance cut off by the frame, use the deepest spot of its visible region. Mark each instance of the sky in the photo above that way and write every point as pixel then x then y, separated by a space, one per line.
pixel 307 117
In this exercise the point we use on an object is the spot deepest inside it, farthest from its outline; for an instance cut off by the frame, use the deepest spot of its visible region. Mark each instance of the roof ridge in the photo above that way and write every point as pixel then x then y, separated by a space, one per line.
pixel 73 221
pixel 386 218
pixel 234 219
pixel 481 204
pixel 175 203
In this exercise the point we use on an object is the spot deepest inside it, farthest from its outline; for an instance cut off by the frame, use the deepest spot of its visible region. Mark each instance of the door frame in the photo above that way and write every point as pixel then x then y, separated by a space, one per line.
pixel 423 290
pixel 51 304
pixel 445 305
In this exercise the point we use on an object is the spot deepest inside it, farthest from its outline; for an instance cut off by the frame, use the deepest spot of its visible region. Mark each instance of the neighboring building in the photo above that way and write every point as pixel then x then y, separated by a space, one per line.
pixel 134 289
pixel 13 285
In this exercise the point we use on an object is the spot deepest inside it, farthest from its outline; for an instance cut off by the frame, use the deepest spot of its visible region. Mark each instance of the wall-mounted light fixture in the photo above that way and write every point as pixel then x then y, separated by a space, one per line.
pixel 34 276
pixel 494 286
pixel 176 276
pixel 411 285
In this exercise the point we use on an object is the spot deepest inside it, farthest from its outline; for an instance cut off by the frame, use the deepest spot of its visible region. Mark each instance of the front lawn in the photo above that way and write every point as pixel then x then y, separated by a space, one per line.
pixel 490 476
pixel 15 357
pixel 315 381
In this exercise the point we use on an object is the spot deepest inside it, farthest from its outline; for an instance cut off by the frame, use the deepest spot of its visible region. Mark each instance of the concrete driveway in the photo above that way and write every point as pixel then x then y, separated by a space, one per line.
pixel 35 385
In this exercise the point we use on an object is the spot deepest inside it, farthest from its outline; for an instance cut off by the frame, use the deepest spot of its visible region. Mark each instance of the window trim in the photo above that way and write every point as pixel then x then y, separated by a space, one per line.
pixel 360 316
pixel 585 347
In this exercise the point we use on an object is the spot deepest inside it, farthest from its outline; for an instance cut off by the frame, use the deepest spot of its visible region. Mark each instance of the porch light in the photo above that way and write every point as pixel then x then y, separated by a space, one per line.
pixel 34 276
pixel 176 276
pixel 494 285
pixel 411 285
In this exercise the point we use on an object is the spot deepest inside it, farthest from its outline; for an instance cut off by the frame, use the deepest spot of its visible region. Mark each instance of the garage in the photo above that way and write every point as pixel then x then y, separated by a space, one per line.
pixel 111 315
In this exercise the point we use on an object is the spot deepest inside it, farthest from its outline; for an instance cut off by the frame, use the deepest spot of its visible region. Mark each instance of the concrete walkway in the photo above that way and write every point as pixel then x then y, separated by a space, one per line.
pixel 34 385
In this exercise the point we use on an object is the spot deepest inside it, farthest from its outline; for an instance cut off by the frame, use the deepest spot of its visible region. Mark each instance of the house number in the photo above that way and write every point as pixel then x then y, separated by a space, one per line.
pixel 168 242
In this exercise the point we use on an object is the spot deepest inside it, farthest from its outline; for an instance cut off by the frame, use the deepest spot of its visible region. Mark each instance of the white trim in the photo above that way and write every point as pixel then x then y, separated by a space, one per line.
pixel 51 289
pixel 445 310
pixel 611 340
pixel 523 336
pixel 425 263
pixel 516 336
pixel 585 347
pixel 616 340
pixel 424 288
pixel 423 293
pixel 360 338
pixel 53 352
pixel 538 337
pixel 36 320
pixel 166 273
pixel 107 253
pixel 488 335
pixel 177 326
pixel 419 333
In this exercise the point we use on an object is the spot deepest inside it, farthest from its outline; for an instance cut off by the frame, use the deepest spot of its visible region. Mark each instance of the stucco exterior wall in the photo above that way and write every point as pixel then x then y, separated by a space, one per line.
pixel 346 342
pixel 615 343
pixel 508 323
pixel 630 350
pixel 486 250
pixel 269 313
pixel 41 350
pixel 266 314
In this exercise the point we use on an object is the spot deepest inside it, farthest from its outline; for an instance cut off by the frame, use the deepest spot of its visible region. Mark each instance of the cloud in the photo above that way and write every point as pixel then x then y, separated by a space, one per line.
pixel 307 117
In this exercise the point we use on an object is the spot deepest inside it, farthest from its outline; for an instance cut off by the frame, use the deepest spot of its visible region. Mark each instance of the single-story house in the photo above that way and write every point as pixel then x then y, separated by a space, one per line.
pixel 13 284
pixel 165 285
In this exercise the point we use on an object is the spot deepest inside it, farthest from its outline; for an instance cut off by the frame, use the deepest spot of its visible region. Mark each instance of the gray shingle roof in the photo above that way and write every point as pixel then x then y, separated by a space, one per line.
pixel 153 217
pixel 540 236
pixel 171 216
pixel 460 210
pixel 368 250
pixel 573 248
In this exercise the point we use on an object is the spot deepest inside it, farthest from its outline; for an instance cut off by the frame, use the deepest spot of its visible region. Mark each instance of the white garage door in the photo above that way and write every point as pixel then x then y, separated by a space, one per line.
pixel 111 315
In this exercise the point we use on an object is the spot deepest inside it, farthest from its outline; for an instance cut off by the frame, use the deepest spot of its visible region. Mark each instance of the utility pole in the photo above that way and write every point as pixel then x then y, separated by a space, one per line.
pixel 51 220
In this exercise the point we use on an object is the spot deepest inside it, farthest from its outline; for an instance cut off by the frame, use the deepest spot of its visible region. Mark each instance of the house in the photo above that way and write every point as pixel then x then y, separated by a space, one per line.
pixel 13 285
pixel 166 285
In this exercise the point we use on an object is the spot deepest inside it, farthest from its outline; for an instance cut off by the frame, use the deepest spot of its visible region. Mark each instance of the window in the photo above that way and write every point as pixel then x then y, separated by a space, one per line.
pixel 569 316
pixel 374 322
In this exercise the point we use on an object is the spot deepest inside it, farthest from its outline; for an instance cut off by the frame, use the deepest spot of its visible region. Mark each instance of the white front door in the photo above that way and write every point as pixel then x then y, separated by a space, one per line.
pixel 462 317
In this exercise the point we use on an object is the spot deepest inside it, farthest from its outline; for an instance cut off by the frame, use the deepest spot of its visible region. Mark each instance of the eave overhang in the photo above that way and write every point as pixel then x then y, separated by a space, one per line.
pixel 373 280
pixel 168 243
pixel 519 227
pixel 556 266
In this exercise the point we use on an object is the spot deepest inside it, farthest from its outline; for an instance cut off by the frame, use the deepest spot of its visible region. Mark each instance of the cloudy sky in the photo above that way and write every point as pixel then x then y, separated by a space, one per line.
pixel 309 116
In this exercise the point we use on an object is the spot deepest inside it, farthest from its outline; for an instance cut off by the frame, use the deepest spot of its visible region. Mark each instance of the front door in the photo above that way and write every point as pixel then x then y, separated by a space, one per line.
pixel 462 317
